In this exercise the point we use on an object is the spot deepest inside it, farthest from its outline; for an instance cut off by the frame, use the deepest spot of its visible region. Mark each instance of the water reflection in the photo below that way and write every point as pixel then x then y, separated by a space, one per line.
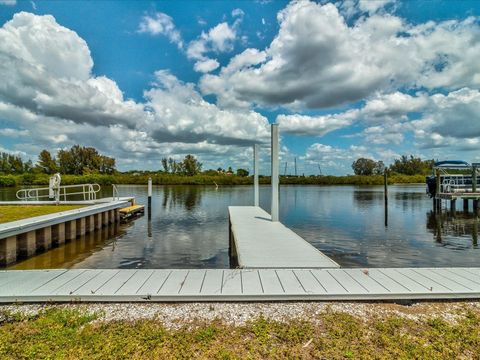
pixel 72 252
pixel 188 228
pixel 454 229
pixel 188 196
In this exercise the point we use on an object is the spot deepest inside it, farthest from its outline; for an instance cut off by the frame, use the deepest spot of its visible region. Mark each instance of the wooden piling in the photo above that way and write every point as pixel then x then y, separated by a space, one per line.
pixel 149 197
pixel 465 205
pixel 453 206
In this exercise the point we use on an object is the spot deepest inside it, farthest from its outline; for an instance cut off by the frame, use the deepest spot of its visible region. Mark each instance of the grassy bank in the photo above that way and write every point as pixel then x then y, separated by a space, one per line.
pixel 169 179
pixel 69 333
pixel 18 212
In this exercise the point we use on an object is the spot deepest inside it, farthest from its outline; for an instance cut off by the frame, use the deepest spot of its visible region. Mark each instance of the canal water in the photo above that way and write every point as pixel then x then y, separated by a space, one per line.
pixel 189 229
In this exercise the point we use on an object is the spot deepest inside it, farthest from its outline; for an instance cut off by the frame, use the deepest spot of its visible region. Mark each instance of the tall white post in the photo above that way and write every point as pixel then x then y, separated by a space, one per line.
pixel 255 175
pixel 275 182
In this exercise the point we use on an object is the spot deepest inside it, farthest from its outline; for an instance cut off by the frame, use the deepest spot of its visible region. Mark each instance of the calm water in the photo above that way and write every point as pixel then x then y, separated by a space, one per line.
pixel 189 229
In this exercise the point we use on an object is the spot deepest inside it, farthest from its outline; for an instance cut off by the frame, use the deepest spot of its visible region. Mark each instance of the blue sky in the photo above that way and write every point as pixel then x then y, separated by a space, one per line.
pixel 140 80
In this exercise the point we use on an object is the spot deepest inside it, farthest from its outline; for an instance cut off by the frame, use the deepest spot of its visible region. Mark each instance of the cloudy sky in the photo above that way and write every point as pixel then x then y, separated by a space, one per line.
pixel 143 80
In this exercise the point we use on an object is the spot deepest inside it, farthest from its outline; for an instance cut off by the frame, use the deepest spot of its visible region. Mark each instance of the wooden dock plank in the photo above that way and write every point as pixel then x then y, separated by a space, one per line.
pixel 154 282
pixel 428 283
pixel 135 282
pixel 116 282
pixel 362 276
pixel 261 243
pixel 193 282
pixel 454 276
pixel 347 282
pixel 465 274
pixel 394 286
pixel 239 284
pixel 232 282
pixel 70 286
pixel 54 284
pixel 309 283
pixel 328 282
pixel 212 283
pixel 270 282
pixel 412 285
pixel 174 283
pixel 95 283
pixel 251 282
pixel 290 282
pixel 444 281
pixel 32 281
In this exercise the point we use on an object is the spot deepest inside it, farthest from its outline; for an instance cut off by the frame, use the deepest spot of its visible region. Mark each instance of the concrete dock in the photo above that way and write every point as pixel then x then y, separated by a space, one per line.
pixel 120 285
pixel 24 238
pixel 258 242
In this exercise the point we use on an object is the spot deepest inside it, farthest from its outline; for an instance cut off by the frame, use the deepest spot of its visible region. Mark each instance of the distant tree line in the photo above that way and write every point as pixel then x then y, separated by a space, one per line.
pixel 406 165
pixel 13 164
pixel 188 166
pixel 78 160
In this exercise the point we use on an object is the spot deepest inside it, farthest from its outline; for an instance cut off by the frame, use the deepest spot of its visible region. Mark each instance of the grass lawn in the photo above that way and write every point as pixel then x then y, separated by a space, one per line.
pixel 17 212
pixel 74 334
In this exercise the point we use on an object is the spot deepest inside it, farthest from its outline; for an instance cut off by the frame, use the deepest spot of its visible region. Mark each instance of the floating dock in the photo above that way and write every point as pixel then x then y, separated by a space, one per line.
pixel 131 211
pixel 258 242
pixel 120 285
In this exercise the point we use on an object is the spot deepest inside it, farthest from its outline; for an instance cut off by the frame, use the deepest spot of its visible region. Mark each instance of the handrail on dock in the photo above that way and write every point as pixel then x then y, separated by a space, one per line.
pixel 88 191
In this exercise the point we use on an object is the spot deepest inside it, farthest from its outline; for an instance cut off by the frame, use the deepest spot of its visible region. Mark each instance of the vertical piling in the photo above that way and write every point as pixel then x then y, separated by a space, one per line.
pixel 453 206
pixel 256 195
pixel 274 172
pixel 149 197
pixel 465 205
pixel 385 194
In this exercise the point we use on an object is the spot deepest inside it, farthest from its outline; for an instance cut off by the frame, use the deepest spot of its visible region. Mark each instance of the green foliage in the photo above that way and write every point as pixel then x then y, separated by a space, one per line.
pixel 80 160
pixel 73 334
pixel 242 172
pixel 189 166
pixel 46 163
pixel 363 166
pixel 411 166
pixel 13 164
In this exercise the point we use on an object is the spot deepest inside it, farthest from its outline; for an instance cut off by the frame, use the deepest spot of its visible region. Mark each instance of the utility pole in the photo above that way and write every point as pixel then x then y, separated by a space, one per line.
pixel 295 166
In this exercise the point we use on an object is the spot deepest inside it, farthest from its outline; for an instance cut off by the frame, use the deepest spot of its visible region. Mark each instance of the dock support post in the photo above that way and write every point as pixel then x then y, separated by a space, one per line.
pixel 275 180
pixel 8 250
pixel 98 221
pixel 43 238
pixel 71 230
pixel 475 207
pixel 81 226
pixel 149 197
pixel 474 178
pixel 256 196
pixel 58 234
pixel 453 206
pixel 385 194
pixel 26 244
pixel 465 205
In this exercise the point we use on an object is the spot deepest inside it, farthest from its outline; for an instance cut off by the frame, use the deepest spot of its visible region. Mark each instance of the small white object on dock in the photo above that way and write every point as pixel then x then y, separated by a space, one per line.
pixel 262 243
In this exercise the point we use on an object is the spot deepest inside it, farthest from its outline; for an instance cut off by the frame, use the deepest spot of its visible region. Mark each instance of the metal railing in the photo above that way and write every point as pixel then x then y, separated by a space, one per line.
pixel 115 193
pixel 88 192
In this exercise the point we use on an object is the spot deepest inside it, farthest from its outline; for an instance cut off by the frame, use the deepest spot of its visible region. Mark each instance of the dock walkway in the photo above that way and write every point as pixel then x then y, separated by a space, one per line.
pixel 260 243
pixel 121 285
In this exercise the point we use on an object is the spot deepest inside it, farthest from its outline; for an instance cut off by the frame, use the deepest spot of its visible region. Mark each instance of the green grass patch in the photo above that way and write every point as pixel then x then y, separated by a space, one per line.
pixel 18 212
pixel 71 334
